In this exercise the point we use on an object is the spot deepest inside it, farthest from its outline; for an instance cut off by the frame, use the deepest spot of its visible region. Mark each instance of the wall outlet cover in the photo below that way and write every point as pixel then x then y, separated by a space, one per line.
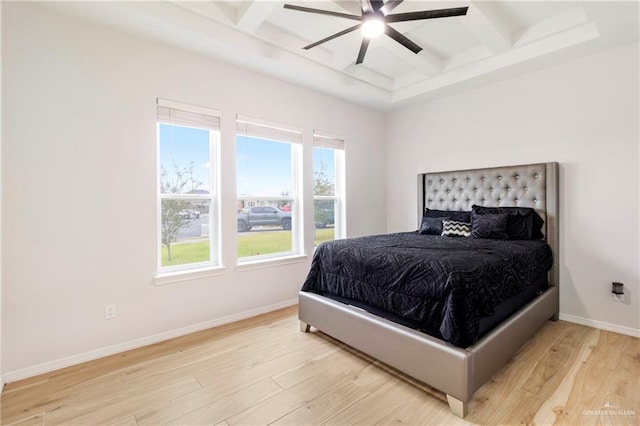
pixel 109 311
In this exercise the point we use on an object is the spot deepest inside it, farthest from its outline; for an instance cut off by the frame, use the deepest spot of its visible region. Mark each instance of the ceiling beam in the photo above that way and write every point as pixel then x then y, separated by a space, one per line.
pixel 343 58
pixel 275 35
pixel 370 77
pixel 348 6
pixel 515 59
pixel 219 11
pixel 425 61
pixel 555 24
pixel 469 56
pixel 255 13
pixel 408 79
pixel 485 22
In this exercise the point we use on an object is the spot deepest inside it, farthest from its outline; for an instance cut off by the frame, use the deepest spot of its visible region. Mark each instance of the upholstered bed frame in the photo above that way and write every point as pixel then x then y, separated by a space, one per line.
pixel 455 371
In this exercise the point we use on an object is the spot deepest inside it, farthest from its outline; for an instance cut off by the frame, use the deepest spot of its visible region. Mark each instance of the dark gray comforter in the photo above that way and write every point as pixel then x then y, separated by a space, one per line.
pixel 443 283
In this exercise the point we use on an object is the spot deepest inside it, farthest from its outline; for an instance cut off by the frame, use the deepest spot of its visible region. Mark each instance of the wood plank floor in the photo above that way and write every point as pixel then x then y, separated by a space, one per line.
pixel 264 371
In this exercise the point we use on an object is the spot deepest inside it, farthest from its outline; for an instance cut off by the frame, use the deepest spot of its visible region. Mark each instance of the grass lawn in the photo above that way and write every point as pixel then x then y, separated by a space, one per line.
pixel 187 252
pixel 249 244
pixel 257 243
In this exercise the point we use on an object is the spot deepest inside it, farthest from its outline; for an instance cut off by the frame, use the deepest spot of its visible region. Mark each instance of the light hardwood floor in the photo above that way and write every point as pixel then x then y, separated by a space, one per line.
pixel 263 370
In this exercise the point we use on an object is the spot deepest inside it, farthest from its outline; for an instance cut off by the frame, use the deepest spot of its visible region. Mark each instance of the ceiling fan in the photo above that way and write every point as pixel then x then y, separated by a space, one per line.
pixel 375 19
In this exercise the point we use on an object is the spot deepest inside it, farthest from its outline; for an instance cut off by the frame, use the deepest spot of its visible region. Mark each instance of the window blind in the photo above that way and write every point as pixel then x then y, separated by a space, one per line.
pixel 170 112
pixel 265 130
pixel 325 141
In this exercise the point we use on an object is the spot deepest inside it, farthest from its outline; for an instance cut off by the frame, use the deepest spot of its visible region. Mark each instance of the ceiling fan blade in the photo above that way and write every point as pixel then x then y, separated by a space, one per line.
pixel 366 6
pixel 426 14
pixel 322 12
pixel 363 50
pixel 376 4
pixel 331 37
pixel 389 6
pixel 400 38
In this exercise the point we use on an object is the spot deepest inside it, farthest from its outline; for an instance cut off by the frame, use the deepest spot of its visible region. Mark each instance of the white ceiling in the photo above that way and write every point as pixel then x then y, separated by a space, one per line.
pixel 495 40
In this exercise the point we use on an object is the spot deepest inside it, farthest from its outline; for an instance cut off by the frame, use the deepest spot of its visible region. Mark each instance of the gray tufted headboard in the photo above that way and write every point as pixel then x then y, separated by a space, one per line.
pixel 529 185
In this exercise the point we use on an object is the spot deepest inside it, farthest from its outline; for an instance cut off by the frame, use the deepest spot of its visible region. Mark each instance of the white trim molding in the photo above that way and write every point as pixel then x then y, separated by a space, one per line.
pixel 46 367
pixel 188 275
pixel 269 261
pixel 633 332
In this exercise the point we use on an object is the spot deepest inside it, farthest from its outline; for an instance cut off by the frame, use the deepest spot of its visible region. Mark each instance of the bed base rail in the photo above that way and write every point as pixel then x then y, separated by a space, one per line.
pixel 455 371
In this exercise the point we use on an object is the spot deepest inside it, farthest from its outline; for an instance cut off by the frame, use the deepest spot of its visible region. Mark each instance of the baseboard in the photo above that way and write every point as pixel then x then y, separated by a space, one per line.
pixel 46 367
pixel 1 385
pixel 601 325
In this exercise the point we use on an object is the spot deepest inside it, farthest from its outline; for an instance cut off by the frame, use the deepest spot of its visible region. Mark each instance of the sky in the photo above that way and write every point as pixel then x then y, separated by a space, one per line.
pixel 263 167
pixel 183 145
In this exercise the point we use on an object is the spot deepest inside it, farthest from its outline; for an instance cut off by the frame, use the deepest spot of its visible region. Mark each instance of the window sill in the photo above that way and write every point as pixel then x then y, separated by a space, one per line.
pixel 179 276
pixel 269 263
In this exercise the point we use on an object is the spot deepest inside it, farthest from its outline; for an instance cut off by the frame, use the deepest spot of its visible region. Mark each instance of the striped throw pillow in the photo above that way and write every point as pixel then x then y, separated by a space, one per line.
pixel 451 228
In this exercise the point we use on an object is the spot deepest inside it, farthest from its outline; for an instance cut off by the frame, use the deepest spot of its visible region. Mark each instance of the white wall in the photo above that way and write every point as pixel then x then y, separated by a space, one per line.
pixel 583 114
pixel 79 158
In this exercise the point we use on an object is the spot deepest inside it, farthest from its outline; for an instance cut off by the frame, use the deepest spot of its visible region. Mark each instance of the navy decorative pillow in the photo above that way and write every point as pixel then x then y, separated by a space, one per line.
pixel 452 228
pixel 432 225
pixel 524 223
pixel 459 216
pixel 493 226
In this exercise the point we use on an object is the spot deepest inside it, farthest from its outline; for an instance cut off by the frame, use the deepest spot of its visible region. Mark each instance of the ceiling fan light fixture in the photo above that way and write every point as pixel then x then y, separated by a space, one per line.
pixel 374 20
pixel 373 27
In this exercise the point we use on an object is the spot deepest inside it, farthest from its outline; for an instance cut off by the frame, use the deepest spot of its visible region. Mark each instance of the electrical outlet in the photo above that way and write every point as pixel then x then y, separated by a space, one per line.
pixel 618 291
pixel 109 311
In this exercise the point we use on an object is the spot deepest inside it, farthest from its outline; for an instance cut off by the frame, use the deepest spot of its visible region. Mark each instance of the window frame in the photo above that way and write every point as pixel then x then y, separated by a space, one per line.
pixel 174 273
pixel 271 131
pixel 325 140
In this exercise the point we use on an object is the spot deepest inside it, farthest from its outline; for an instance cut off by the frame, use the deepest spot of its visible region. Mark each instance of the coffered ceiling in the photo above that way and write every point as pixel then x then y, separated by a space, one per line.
pixel 494 40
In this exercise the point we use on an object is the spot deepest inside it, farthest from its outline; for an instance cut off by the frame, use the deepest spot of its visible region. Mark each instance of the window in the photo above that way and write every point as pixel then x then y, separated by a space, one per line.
pixel 328 187
pixel 188 139
pixel 267 155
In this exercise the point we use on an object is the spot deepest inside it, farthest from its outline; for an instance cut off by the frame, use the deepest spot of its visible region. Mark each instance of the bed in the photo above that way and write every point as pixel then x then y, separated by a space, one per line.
pixel 447 363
